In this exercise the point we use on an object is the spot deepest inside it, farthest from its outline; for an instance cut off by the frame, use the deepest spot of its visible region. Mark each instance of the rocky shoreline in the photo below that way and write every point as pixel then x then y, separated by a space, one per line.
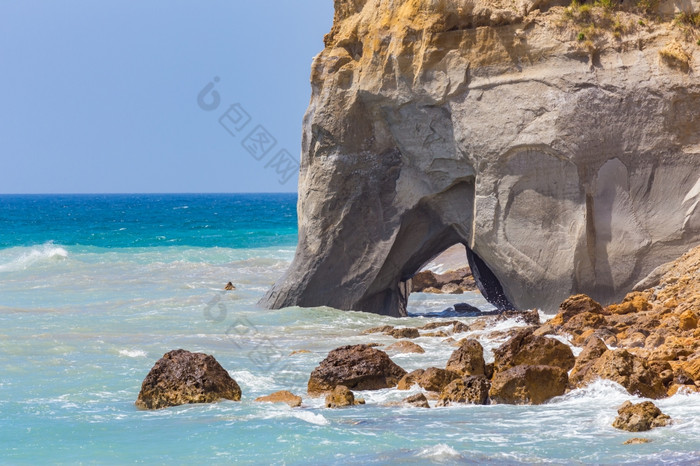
pixel 648 343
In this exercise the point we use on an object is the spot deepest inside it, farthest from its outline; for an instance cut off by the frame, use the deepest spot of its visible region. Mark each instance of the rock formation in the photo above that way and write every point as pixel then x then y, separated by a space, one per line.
pixel 181 377
pixel 526 384
pixel 283 396
pixel 473 389
pixel 357 367
pixel 419 401
pixel 565 161
pixel 468 359
pixel 340 397
pixel 640 417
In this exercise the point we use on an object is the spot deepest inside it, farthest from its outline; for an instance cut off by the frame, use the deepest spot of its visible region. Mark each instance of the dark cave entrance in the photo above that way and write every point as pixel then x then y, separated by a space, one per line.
pixel 450 274
pixel 435 224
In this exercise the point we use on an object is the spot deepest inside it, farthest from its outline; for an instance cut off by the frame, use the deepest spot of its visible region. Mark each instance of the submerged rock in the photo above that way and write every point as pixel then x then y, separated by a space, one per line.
pixel 357 367
pixel 472 389
pixel 636 441
pixel 181 377
pixel 640 417
pixel 528 384
pixel 282 396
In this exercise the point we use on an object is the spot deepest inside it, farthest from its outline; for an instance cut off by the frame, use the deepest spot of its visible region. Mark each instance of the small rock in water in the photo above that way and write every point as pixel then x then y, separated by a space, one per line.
pixel 405 346
pixel 640 417
pixel 406 332
pixel 181 377
pixel 419 401
pixel 340 397
pixel 380 329
pixel 282 396
pixel 301 351
pixel 229 286
pixel 464 307
pixel 636 440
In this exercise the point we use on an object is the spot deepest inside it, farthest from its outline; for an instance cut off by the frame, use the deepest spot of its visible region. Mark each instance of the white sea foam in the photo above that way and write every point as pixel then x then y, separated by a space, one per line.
pixel 133 353
pixel 310 417
pixel 23 258
pixel 440 452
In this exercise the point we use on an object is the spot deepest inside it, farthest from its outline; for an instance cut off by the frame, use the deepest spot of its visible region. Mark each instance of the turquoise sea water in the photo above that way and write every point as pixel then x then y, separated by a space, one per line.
pixel 94 289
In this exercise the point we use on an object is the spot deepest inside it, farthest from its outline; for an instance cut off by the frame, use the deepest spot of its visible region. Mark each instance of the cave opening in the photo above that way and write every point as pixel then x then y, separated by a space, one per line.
pixel 456 281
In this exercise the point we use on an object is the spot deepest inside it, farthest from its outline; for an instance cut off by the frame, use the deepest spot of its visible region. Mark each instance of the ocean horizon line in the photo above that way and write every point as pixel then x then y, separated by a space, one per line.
pixel 150 193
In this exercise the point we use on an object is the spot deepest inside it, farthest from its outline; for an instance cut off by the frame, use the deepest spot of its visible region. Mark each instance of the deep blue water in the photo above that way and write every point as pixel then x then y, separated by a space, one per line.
pixel 147 220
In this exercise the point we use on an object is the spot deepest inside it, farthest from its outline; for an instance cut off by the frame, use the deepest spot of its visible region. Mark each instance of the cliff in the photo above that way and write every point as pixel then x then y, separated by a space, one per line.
pixel 560 145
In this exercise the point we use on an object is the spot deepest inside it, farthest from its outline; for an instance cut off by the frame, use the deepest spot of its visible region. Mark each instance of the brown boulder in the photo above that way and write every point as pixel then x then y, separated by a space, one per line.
pixel 410 379
pixel 468 359
pixel 181 377
pixel 582 325
pixel 357 367
pixel 473 389
pixel 688 320
pixel 593 349
pixel 432 379
pixel 419 401
pixel 574 305
pixel 229 286
pixel 406 332
pixel 528 384
pixel 630 371
pixel 380 329
pixel 405 346
pixel 282 396
pixel 640 417
pixel 424 279
pixel 340 397
pixel 525 348
pixel 633 302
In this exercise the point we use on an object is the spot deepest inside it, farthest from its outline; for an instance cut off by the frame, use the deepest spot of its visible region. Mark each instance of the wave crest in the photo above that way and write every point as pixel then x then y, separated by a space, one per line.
pixel 22 258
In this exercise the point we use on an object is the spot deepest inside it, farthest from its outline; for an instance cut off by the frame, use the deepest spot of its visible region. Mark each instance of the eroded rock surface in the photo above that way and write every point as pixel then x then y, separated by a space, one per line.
pixel 528 384
pixel 468 359
pixel 564 166
pixel 181 377
pixel 640 417
pixel 357 367
pixel 529 349
pixel 472 389
pixel 283 396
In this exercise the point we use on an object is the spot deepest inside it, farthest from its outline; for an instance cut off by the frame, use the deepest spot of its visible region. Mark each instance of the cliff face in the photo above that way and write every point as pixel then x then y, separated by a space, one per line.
pixel 565 156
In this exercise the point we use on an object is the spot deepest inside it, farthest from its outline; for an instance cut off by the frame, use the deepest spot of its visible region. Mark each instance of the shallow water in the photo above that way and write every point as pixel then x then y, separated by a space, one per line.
pixel 81 325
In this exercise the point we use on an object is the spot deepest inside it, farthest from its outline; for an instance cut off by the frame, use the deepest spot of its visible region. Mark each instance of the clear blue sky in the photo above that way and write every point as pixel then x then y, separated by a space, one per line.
pixel 102 96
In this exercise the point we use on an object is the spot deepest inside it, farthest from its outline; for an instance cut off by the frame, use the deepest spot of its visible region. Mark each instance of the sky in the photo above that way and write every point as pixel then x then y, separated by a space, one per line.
pixel 111 96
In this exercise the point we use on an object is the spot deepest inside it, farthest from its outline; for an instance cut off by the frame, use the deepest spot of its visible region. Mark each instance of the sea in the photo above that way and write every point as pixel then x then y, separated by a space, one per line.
pixel 94 289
